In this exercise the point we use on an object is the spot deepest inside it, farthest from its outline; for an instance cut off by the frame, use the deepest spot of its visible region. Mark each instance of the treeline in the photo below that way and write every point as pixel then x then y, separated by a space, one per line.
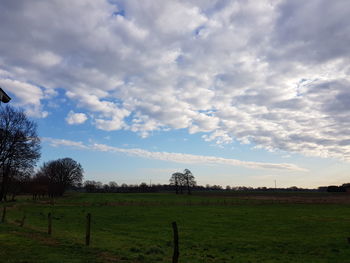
pixel 335 188
pixel 114 187
pixel 52 179
pixel 19 153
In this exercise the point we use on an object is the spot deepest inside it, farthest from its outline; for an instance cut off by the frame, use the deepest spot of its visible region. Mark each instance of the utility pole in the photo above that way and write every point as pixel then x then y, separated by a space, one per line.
pixel 275 185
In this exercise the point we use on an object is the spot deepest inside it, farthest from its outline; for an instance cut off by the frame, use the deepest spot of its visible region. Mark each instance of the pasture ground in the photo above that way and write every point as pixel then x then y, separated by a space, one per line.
pixel 220 227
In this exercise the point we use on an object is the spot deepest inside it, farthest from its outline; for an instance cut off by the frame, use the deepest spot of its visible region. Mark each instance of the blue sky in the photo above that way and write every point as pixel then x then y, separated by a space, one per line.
pixel 239 92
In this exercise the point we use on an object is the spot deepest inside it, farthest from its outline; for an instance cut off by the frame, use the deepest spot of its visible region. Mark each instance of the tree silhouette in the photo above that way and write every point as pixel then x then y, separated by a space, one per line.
pixel 62 173
pixel 180 180
pixel 176 180
pixel 19 146
pixel 189 180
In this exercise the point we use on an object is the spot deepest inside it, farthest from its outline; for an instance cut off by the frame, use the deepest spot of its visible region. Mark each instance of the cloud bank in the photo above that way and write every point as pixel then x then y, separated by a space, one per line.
pixel 271 73
pixel 173 157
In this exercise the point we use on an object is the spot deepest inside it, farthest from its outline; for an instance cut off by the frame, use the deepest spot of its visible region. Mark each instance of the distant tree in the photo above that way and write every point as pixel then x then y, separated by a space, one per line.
pixel 334 188
pixel 99 185
pixel 143 185
pixel 106 188
pixel 90 186
pixel 181 180
pixel 189 180
pixel 322 188
pixel 113 185
pixel 62 173
pixel 216 187
pixel 176 180
pixel 19 146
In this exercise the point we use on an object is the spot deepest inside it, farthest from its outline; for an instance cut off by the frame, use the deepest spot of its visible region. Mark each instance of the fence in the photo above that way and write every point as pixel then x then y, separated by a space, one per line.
pixel 176 252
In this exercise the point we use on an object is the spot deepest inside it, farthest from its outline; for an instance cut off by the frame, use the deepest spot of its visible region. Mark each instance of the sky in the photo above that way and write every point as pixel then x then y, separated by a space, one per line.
pixel 242 93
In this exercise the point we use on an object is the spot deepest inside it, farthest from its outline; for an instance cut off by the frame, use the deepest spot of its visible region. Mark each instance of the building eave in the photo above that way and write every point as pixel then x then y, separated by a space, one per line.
pixel 4 97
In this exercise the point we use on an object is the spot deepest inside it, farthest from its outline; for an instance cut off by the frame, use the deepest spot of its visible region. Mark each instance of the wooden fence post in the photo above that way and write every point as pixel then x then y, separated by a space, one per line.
pixel 3 218
pixel 176 243
pixel 23 219
pixel 49 226
pixel 88 226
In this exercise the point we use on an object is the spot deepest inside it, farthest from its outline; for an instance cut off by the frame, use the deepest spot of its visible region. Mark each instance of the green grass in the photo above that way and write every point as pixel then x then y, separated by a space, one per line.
pixel 137 228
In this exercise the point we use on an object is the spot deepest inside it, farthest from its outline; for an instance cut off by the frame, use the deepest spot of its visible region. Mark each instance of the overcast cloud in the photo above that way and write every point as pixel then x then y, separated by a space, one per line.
pixel 271 73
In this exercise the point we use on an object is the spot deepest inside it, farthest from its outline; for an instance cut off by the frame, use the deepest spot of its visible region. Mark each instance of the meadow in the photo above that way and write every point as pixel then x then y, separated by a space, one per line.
pixel 213 227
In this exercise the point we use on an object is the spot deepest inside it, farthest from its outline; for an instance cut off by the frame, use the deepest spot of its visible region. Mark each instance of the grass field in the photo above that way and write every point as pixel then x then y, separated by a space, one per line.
pixel 213 227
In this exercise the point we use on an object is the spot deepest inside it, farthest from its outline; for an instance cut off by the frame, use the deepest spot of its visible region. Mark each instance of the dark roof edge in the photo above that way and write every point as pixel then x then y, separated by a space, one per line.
pixel 3 96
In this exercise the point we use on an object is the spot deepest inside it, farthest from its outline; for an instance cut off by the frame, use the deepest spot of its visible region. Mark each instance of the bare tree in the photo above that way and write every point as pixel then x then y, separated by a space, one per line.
pixel 90 186
pixel 176 181
pixel 189 180
pixel 19 146
pixel 181 180
pixel 62 173
pixel 113 186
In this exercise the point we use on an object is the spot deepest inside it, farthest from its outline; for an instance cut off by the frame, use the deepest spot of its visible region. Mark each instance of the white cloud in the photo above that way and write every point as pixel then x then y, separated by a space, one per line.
pixel 76 118
pixel 272 73
pixel 28 94
pixel 63 142
pixel 175 157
